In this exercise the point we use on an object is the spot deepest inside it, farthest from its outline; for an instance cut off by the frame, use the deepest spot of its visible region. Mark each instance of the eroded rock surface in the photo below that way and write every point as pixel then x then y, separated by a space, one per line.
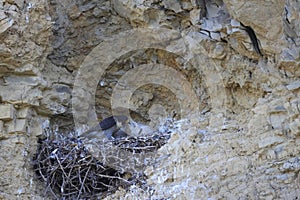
pixel 244 140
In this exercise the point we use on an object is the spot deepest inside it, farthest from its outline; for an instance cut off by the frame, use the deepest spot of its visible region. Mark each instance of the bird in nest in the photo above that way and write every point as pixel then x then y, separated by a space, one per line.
pixel 116 127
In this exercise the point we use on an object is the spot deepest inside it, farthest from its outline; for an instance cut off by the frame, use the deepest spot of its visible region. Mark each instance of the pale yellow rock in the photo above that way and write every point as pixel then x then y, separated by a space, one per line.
pixel 24 113
pixel 7 112
pixel 269 141
pixel 260 20
pixel 36 126
pixel 295 127
pixel 17 126
pixel 22 94
pixel 5 24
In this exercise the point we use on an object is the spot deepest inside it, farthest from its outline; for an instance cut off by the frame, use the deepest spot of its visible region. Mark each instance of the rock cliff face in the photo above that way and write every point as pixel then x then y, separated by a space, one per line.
pixel 70 63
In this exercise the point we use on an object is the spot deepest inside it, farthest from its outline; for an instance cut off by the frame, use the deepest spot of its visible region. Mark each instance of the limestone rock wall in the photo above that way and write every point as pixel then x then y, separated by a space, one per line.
pixel 243 143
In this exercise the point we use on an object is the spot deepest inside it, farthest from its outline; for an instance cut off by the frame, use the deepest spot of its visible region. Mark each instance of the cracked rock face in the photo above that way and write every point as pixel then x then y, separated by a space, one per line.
pixel 243 141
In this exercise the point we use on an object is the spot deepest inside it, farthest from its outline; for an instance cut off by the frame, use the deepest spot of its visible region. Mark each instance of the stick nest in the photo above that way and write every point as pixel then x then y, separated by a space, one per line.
pixel 70 171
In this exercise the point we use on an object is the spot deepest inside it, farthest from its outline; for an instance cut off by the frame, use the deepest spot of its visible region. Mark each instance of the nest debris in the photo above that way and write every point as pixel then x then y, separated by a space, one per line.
pixel 70 171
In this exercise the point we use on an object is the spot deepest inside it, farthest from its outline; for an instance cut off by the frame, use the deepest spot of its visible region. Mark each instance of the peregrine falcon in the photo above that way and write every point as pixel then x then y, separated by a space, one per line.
pixel 111 128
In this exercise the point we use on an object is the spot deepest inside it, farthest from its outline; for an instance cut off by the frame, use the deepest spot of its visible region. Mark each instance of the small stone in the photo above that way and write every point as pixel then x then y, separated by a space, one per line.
pixel 5 24
pixel 216 36
pixel 27 69
pixel 17 126
pixel 7 112
pixel 1 129
pixel 172 5
pixel 22 94
pixel 61 88
pixel 87 6
pixel 295 127
pixel 270 141
pixel 277 119
pixel 74 12
pixel 293 86
pixel 23 113
pixel 23 80
pixel 2 15
pixel 218 52
pixel 277 109
pixel 186 5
